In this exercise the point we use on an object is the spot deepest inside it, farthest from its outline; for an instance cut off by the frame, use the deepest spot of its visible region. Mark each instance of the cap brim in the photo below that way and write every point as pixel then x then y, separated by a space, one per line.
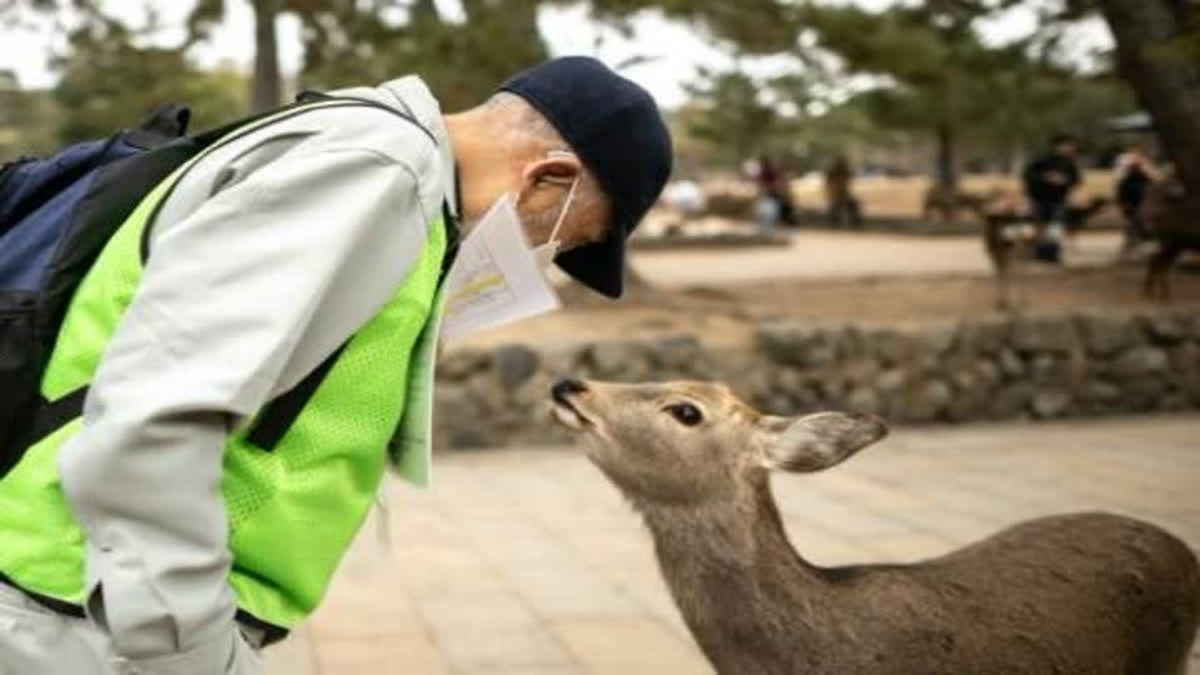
pixel 599 266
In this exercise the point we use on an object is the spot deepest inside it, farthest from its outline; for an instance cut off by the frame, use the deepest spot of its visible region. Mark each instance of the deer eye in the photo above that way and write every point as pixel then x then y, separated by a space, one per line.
pixel 685 413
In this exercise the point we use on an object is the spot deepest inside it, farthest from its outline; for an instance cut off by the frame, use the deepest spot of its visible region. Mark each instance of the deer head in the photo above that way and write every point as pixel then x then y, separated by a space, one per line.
pixel 691 442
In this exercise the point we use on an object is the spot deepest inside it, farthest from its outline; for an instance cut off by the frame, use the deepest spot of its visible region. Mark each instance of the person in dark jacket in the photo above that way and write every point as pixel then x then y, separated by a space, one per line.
pixel 773 185
pixel 1135 173
pixel 1049 181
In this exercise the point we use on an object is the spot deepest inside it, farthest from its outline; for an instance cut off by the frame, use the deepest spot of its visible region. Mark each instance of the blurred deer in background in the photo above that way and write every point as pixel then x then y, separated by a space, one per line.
pixel 1174 228
pixel 1010 236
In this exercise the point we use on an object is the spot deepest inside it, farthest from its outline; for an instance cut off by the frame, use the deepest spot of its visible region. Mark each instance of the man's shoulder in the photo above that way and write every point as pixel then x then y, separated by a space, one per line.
pixel 372 128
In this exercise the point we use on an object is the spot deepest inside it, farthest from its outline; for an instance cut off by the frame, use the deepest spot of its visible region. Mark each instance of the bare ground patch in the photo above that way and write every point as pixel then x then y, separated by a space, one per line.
pixel 725 313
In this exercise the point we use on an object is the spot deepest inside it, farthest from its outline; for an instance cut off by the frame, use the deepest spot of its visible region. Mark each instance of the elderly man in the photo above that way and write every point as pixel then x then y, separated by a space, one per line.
pixel 241 388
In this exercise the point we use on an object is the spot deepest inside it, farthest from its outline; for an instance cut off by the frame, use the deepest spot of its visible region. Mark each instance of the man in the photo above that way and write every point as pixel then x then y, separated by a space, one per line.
pixel 843 205
pixel 243 385
pixel 773 188
pixel 1049 181
pixel 1134 174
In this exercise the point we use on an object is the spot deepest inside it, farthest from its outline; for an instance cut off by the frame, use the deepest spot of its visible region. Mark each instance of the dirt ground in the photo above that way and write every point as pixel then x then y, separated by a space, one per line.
pixel 719 294
pixel 725 314
pixel 903 196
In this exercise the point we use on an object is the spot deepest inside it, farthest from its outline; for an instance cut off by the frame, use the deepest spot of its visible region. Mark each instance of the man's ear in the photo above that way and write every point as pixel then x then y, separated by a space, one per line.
pixel 819 441
pixel 561 168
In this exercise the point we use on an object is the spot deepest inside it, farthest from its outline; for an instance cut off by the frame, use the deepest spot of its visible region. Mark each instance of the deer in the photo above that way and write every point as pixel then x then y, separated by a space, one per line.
pixel 1170 221
pixel 1083 593
pixel 1009 237
pixel 942 203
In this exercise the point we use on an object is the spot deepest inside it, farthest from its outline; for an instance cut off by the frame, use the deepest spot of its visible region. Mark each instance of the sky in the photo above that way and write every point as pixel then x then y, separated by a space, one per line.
pixel 673 50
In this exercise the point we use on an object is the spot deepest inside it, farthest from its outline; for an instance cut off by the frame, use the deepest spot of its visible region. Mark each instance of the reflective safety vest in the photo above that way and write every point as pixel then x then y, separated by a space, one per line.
pixel 298 479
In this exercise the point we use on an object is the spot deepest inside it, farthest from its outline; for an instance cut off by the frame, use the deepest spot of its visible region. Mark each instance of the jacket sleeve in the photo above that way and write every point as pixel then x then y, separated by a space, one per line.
pixel 1074 177
pixel 1032 176
pixel 223 310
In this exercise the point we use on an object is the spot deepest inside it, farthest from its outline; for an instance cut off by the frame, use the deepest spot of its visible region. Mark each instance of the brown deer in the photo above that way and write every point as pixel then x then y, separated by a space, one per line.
pixel 1172 222
pixel 1088 593
pixel 942 204
pixel 1009 237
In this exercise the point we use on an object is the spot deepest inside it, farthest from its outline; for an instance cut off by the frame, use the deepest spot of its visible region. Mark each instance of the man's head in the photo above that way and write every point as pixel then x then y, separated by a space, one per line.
pixel 1136 151
pixel 572 139
pixel 1065 145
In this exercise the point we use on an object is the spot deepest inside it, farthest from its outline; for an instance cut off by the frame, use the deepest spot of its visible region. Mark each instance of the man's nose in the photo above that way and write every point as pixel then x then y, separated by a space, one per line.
pixel 565 387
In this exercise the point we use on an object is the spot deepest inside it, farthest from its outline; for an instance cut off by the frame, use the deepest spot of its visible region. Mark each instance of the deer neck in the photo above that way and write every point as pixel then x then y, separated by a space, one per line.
pixel 733 573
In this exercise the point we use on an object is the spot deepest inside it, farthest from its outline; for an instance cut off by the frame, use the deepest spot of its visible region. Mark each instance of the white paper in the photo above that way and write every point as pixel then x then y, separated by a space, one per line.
pixel 495 279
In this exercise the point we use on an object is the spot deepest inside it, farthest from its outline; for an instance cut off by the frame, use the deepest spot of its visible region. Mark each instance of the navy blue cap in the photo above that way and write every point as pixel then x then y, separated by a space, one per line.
pixel 615 128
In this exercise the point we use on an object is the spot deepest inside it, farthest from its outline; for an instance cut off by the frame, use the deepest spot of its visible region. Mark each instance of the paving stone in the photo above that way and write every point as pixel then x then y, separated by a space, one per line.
pixel 638 647
pixel 418 656
pixel 485 632
pixel 563 592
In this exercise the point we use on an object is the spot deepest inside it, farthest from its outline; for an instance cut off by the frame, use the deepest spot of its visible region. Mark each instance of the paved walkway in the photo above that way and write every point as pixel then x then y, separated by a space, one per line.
pixel 528 562
pixel 839 255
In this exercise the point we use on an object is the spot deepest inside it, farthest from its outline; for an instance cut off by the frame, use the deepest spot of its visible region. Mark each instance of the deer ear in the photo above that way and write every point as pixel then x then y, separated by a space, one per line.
pixel 819 441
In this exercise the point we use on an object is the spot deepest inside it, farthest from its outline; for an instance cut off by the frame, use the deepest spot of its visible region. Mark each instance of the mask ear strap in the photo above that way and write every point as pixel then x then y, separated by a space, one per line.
pixel 562 215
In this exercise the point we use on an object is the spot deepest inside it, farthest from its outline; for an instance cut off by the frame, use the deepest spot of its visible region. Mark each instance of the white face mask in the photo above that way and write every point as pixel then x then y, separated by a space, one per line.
pixel 545 253
pixel 496 278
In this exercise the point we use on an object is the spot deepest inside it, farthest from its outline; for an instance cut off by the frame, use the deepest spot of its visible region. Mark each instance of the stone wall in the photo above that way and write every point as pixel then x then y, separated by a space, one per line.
pixel 989 368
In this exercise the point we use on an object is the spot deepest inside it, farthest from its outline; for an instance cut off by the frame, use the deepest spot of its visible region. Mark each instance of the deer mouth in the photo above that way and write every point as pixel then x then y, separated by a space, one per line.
pixel 568 415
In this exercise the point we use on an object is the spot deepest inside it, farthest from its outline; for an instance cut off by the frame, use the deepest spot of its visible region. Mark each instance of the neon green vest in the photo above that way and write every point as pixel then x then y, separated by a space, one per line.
pixel 292 511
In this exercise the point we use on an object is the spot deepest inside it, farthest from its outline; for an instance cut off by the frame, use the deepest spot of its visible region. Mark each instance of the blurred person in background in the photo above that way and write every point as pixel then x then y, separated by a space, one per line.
pixel 685 200
pixel 843 205
pixel 1134 172
pixel 766 209
pixel 773 187
pixel 1049 181
pixel 685 197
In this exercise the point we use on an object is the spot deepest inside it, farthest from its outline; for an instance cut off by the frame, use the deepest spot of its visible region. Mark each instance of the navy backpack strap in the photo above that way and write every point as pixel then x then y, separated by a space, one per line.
pixel 167 123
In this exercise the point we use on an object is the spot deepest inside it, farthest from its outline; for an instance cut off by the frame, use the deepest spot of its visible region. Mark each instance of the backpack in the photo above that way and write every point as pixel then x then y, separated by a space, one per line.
pixel 56 215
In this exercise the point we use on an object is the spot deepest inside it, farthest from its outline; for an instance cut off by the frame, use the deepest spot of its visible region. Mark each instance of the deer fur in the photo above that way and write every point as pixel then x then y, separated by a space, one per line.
pixel 1172 224
pixel 943 204
pixel 1009 237
pixel 1087 593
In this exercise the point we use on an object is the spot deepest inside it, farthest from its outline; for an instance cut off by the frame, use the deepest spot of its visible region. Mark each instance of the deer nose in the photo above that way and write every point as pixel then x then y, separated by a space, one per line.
pixel 565 387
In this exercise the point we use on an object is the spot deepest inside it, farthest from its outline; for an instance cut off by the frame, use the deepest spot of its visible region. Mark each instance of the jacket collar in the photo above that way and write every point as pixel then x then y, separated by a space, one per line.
pixel 412 93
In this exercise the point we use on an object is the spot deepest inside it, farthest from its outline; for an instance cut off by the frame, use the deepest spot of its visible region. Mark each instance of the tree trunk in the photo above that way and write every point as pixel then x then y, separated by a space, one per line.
pixel 947 170
pixel 265 92
pixel 1167 84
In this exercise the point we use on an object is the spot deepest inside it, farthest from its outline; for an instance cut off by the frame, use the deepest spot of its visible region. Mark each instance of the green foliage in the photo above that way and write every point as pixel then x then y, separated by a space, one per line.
pixel 754 26
pixel 934 74
pixel 27 120
pixel 350 43
pixel 940 77
pixel 108 83
pixel 728 114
